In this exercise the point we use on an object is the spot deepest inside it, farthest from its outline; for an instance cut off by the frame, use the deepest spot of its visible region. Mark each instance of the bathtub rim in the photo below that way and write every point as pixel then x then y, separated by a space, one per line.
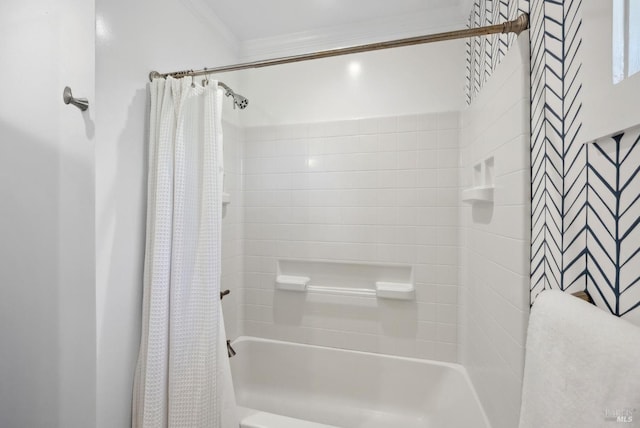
pixel 459 368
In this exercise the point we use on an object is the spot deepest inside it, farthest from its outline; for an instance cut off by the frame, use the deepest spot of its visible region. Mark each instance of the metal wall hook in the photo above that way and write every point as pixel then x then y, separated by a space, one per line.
pixel 81 103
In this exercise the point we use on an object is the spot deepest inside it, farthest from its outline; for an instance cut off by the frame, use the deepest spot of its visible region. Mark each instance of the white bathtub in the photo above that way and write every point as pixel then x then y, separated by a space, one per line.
pixel 289 385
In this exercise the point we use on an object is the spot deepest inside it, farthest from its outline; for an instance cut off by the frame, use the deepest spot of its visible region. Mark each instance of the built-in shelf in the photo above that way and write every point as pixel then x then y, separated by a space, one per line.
pixel 478 194
pixel 346 279
pixel 292 283
pixel 483 178
pixel 395 290
pixel 226 198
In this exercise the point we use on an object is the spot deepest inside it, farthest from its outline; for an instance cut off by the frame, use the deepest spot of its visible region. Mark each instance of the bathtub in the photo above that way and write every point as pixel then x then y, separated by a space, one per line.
pixel 289 385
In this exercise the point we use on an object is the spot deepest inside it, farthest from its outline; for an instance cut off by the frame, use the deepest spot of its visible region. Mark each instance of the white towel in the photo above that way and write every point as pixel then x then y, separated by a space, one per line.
pixel 582 366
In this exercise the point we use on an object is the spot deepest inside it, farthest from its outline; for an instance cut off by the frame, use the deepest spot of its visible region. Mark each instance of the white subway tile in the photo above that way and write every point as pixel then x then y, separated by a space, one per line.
pixel 427 312
pixel 387 197
pixel 341 127
pixel 447 314
pixel 427 197
pixel 407 160
pixel 427 122
pixel 381 190
pixel 447 177
pixel 447 159
pixel 405 197
pixel 448 197
pixel 427 159
pixel 426 254
pixel 447 333
pixel 448 139
pixel 448 255
pixel 407 179
pixel 368 126
pixel 427 140
pixel 426 349
pixel 447 294
pixel 408 216
pixel 427 178
pixel 407 141
pixel 447 352
pixel 449 120
pixel 388 142
pixel 407 123
pixel 387 124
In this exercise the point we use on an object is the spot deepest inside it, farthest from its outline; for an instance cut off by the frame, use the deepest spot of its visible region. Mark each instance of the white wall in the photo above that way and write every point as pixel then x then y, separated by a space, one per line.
pixel 133 39
pixel 411 80
pixel 47 301
pixel 495 239
pixel 378 191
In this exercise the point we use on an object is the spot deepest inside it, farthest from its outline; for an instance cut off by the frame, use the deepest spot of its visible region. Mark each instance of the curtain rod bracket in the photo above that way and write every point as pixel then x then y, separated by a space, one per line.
pixel 518 25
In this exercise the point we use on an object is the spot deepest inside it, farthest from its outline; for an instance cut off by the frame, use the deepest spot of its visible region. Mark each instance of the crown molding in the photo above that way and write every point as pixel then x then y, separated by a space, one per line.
pixel 204 12
pixel 394 27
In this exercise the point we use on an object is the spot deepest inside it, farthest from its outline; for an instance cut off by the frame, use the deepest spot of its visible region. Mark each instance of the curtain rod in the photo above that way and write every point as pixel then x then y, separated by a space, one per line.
pixel 516 26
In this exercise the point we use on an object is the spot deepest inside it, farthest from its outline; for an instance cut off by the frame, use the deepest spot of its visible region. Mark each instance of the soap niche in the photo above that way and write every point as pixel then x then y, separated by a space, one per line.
pixel 482 183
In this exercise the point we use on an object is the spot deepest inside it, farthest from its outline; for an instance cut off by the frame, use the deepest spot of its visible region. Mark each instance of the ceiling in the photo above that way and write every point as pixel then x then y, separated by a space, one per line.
pixel 287 26
pixel 257 19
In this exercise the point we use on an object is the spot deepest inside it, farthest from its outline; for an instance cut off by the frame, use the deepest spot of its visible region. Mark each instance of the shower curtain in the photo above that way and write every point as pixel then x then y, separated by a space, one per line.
pixel 182 377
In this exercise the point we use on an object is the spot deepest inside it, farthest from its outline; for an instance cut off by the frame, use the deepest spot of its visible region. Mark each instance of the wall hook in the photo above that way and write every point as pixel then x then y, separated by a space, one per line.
pixel 81 103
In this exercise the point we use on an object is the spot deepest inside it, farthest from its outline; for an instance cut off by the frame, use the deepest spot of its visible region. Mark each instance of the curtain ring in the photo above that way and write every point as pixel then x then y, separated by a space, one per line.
pixel 205 81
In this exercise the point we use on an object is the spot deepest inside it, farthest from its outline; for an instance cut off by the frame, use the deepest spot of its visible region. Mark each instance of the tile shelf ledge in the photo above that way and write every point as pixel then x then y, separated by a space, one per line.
pixel 480 194
pixel 384 290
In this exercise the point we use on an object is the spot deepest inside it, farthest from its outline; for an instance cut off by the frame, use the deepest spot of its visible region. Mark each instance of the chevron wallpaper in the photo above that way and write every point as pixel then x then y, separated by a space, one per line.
pixel 485 53
pixel 613 215
pixel 585 197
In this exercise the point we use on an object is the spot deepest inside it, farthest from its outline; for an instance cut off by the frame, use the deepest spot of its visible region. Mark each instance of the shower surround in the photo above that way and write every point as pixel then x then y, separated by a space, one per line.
pixel 386 190
pixel 370 191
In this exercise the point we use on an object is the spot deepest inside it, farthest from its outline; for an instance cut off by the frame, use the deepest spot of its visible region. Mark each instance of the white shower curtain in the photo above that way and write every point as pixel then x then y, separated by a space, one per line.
pixel 182 378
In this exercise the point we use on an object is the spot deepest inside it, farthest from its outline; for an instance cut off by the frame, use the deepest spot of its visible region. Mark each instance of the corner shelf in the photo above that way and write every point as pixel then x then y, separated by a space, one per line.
pixel 226 198
pixel 483 178
pixel 478 194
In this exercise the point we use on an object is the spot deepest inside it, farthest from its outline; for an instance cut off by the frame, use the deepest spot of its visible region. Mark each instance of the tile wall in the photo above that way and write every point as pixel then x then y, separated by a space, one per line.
pixel 495 239
pixel 380 191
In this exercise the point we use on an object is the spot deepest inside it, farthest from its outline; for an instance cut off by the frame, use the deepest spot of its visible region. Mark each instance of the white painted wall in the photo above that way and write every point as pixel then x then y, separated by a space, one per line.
pixel 133 39
pixel 495 239
pixel 47 300
pixel 410 80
